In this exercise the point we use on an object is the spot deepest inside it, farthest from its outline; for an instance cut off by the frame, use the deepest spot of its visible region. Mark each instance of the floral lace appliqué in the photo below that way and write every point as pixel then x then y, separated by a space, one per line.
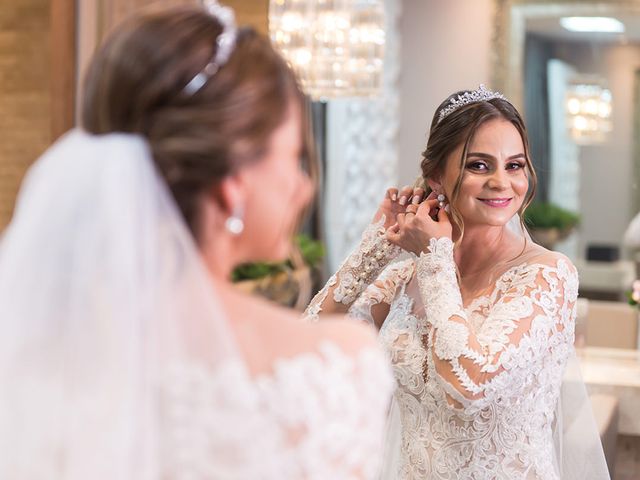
pixel 358 271
pixel 318 416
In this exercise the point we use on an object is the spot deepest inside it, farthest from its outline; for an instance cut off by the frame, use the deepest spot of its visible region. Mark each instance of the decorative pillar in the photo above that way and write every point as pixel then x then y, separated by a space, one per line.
pixel 362 152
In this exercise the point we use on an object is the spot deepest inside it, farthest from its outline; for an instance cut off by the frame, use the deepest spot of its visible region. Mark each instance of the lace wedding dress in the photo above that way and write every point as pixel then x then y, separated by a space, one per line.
pixel 318 416
pixel 478 384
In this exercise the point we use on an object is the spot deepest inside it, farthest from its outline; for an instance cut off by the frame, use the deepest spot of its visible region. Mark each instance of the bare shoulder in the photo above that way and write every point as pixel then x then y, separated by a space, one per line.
pixel 349 335
pixel 538 255
pixel 267 332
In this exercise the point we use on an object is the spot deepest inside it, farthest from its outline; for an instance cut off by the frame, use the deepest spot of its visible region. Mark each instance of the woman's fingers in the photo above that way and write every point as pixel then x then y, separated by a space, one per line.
pixel 393 236
pixel 416 225
pixel 418 195
pixel 425 208
pixel 392 194
pixel 400 220
pixel 432 195
pixel 405 195
pixel 393 233
pixel 443 215
pixel 412 209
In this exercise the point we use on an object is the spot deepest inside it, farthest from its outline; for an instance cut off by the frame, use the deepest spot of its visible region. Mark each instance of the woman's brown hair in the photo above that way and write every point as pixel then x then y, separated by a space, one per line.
pixel 458 128
pixel 136 82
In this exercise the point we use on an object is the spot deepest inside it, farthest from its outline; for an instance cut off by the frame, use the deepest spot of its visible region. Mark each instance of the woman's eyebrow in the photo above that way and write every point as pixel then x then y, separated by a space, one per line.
pixel 491 157
pixel 481 155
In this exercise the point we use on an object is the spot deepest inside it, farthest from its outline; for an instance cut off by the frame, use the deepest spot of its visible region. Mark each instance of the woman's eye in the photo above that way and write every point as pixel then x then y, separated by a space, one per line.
pixel 515 166
pixel 477 166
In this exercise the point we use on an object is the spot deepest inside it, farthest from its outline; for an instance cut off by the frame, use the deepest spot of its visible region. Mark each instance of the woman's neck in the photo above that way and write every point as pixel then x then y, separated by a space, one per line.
pixel 220 257
pixel 483 247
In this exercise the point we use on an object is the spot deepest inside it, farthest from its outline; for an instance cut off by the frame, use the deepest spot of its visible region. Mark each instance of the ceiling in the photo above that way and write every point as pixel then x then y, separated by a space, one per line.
pixel 549 27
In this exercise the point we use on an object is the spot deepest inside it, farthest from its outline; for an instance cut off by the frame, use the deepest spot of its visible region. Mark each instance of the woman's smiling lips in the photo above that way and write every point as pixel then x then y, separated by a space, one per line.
pixel 496 202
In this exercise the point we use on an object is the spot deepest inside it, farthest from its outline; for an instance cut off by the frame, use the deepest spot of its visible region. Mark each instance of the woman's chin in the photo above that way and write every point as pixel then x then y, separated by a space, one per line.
pixel 494 220
pixel 502 218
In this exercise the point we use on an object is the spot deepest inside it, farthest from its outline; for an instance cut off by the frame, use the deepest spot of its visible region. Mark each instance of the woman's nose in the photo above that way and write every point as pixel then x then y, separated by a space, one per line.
pixel 498 180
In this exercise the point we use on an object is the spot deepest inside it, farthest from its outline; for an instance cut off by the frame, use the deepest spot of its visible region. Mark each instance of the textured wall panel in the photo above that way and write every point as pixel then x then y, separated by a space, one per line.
pixel 25 120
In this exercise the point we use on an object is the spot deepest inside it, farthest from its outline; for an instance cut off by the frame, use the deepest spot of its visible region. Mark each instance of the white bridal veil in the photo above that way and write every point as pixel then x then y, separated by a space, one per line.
pixel 578 448
pixel 102 296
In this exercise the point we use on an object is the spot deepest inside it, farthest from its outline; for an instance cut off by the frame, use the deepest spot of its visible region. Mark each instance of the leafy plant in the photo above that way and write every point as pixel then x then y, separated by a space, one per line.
pixel 255 270
pixel 540 215
pixel 312 252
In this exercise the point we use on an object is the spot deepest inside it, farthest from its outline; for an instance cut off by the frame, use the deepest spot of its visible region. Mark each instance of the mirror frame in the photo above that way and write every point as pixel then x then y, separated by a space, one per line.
pixel 510 29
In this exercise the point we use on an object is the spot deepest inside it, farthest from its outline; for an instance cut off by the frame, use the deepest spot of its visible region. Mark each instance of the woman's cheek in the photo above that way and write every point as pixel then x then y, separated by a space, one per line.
pixel 521 184
pixel 307 191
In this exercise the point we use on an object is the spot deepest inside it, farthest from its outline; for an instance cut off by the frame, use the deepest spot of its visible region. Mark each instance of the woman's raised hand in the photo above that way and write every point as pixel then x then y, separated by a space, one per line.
pixel 417 226
pixel 396 202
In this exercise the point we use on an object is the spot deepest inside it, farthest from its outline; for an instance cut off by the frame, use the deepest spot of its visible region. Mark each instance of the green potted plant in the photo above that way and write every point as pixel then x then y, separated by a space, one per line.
pixel 288 283
pixel 549 223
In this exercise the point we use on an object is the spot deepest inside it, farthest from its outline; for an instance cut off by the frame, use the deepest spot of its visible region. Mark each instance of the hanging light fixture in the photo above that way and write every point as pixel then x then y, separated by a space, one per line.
pixel 335 46
pixel 588 112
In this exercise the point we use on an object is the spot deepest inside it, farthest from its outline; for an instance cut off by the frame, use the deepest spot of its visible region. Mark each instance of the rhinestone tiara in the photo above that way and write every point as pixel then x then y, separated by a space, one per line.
pixel 226 42
pixel 481 94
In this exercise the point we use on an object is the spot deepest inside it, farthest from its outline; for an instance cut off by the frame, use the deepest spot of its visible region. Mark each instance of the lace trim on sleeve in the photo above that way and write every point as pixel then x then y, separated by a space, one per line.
pixel 358 271
pixel 312 312
pixel 382 290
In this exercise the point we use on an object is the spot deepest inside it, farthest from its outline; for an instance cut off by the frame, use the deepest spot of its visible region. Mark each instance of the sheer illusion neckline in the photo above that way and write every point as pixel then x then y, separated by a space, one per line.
pixel 479 301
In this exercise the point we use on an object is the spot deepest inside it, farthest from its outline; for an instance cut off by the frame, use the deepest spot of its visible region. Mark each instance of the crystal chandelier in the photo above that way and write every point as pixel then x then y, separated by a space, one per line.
pixel 588 110
pixel 335 46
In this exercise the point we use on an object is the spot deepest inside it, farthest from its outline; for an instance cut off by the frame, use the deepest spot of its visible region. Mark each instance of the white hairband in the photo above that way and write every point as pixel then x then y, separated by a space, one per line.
pixel 226 42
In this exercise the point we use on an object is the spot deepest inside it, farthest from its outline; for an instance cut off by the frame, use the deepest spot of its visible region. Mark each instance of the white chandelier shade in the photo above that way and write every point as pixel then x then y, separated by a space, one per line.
pixel 335 46
pixel 588 112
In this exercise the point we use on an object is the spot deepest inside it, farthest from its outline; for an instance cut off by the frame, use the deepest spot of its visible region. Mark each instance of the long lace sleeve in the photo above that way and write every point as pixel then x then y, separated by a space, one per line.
pixel 382 292
pixel 357 272
pixel 535 308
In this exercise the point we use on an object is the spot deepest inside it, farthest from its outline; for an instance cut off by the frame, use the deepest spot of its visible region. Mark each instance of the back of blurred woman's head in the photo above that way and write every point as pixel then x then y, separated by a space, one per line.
pixel 136 84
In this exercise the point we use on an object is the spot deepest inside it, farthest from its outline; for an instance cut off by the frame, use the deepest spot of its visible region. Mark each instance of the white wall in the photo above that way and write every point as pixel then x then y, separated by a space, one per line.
pixel 607 172
pixel 446 46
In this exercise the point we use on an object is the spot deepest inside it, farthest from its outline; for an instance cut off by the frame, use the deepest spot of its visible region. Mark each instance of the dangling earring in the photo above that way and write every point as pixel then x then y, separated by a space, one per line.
pixel 235 224
pixel 441 199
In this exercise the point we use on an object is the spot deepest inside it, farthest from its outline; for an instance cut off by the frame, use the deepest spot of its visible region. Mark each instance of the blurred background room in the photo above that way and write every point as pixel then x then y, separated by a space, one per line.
pixel 375 70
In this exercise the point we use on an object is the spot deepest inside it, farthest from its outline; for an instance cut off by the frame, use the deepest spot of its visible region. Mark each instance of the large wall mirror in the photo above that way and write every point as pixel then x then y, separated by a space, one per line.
pixel 579 90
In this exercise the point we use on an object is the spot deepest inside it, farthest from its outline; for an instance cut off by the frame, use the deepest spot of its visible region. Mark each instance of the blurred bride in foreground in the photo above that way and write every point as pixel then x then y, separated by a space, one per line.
pixel 125 351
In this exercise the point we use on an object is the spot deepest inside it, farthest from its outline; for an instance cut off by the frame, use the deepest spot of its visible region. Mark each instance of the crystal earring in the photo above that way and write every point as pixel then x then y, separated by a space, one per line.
pixel 441 199
pixel 235 224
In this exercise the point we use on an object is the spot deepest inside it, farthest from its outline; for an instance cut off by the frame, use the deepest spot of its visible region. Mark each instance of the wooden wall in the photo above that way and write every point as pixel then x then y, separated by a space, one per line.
pixel 25 116
pixel 251 12
pixel 45 46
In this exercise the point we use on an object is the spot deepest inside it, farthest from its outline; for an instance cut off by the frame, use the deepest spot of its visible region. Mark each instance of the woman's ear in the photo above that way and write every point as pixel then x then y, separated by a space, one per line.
pixel 228 194
pixel 434 184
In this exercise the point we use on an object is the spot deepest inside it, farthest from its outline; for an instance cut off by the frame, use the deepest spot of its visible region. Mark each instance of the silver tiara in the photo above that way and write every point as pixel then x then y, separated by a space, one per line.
pixel 479 95
pixel 226 41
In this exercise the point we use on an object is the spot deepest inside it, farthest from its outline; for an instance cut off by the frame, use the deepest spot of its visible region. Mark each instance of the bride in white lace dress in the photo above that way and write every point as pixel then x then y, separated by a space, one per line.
pixel 126 353
pixel 477 319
